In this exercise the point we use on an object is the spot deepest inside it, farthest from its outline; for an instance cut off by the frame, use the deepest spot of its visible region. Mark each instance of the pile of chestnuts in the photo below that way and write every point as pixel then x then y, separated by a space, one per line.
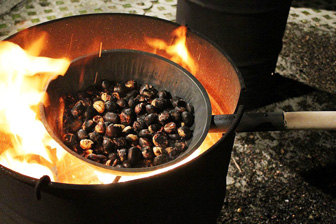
pixel 125 124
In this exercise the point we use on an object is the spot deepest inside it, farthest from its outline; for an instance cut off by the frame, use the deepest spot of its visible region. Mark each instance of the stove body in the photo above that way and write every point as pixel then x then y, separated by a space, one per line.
pixel 191 193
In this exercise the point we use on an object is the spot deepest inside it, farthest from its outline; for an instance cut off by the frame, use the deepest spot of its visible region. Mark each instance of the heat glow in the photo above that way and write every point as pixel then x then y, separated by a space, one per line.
pixel 177 50
pixel 26 146
pixel 22 79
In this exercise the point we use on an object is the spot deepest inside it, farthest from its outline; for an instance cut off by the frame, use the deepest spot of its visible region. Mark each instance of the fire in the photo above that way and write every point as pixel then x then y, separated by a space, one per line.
pixel 178 50
pixel 179 53
pixel 26 146
pixel 22 78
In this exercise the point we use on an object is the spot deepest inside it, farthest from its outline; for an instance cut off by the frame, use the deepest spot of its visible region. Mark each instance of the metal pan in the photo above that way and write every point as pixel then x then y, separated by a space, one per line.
pixel 121 65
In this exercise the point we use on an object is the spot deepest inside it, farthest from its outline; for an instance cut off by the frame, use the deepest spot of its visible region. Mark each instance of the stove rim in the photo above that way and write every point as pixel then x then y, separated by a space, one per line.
pixel 57 185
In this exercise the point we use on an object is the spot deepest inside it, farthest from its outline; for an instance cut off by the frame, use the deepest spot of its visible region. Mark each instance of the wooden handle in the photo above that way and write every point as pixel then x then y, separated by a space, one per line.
pixel 323 120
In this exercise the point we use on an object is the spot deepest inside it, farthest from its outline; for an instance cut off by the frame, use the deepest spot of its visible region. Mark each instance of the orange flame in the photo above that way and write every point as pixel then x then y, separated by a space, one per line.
pixel 22 78
pixel 26 147
pixel 177 50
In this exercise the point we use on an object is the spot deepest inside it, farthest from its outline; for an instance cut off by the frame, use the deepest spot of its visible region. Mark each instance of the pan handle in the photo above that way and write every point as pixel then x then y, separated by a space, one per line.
pixel 276 121
pixel 322 120
pixel 250 122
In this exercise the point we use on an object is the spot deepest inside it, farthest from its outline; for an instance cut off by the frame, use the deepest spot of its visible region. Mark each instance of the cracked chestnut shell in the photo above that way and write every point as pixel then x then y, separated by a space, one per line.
pixel 160 140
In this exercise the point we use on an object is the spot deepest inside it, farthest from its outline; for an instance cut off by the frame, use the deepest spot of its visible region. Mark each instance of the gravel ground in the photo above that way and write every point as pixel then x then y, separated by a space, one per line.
pixel 290 176
pixel 284 177
pixel 314 61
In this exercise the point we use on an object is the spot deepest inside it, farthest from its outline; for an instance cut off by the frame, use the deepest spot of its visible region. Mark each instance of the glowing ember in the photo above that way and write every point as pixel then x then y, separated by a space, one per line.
pixel 177 50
